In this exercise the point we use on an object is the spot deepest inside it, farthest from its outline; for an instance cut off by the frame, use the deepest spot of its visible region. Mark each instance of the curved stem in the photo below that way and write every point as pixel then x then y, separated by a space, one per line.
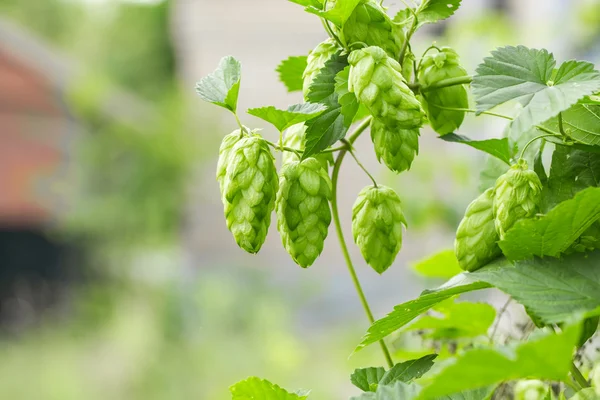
pixel 533 140
pixel 351 151
pixel 459 80
pixel 340 234
pixel 242 127
pixel 283 148
pixel 470 110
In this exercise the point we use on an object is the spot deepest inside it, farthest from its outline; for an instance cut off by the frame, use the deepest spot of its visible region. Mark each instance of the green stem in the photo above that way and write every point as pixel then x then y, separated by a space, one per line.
pixel 470 110
pixel 459 80
pixel 578 376
pixel 412 29
pixel 340 234
pixel 351 151
pixel 283 148
pixel 533 140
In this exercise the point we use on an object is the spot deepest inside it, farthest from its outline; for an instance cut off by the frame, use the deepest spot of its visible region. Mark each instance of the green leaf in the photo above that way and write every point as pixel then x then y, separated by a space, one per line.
pixel 527 75
pixel 441 265
pixel 590 326
pixel 346 98
pixel 477 394
pixel 457 320
pixel 367 379
pixel 408 370
pixel 538 165
pixel 309 3
pixel 586 394
pixel 553 233
pixel 223 85
pixel 406 312
pixel 335 121
pixel 547 357
pixel 397 391
pixel 256 388
pixel 496 147
pixel 283 119
pixel 431 11
pixel 291 71
pixel 339 13
pixel 581 122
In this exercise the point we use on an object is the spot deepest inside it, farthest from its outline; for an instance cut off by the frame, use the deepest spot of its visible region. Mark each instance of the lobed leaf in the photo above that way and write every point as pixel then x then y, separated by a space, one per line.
pixel 256 388
pixel 498 148
pixel 223 85
pixel 553 233
pixel 581 123
pixel 397 391
pixel 429 12
pixel 367 379
pixel 408 371
pixel 283 119
pixel 291 71
pixel 338 14
pixel 527 75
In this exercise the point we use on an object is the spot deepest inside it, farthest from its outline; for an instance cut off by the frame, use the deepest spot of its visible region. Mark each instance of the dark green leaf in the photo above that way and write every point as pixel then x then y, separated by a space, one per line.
pixel 339 13
pixel 590 326
pixel 496 147
pixel 256 388
pixel 431 11
pixel 291 71
pixel 581 122
pixel 547 357
pixel 283 119
pixel 397 391
pixel 408 371
pixel 334 123
pixel 346 99
pixel 525 74
pixel 223 85
pixel 538 165
pixel 367 379
pixel 441 265
pixel 553 233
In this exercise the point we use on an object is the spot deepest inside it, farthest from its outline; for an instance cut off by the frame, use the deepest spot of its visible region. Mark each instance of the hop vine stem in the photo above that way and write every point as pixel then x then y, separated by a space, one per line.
pixel 340 234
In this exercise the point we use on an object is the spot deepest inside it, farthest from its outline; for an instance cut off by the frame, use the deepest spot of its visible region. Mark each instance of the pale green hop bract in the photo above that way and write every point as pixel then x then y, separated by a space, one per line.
pixel 377 82
pixel 294 139
pixel 396 148
pixel 316 61
pixel 517 196
pixel 476 237
pixel 437 67
pixel 249 189
pixel 377 221
pixel 224 152
pixel 303 213
pixel 370 24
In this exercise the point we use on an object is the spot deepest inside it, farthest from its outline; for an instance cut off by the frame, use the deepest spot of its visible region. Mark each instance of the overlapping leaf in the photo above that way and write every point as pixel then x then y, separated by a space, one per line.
pixel 429 12
pixel 440 265
pixel 367 379
pixel 223 85
pixel 338 14
pixel 581 122
pixel 256 388
pixel 498 148
pixel 283 119
pixel 291 72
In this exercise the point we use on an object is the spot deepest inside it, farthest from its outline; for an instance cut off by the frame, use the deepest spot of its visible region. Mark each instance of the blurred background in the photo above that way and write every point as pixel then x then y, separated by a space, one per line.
pixel 118 277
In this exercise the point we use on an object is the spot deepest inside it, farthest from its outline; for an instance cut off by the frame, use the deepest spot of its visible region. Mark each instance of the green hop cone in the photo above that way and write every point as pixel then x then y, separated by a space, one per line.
pixel 370 24
pixel 434 68
pixel 224 151
pixel 377 81
pixel 294 139
pixel 303 213
pixel 316 61
pixel 532 389
pixel 517 196
pixel 377 221
pixel 249 189
pixel 476 237
pixel 397 148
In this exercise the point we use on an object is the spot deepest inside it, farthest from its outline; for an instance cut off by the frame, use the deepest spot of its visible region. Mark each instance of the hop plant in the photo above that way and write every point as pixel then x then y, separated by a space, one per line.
pixel 434 68
pixel 377 81
pixel 370 24
pixel 224 152
pixel 294 139
pixel 397 148
pixel 316 61
pixel 517 196
pixel 303 213
pixel 476 237
pixel 249 188
pixel 377 221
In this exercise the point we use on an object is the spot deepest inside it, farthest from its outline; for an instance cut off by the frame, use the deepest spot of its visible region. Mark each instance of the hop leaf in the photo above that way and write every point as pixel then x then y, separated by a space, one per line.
pixel 434 68
pixel 294 138
pixel 476 237
pixel 517 196
pixel 377 81
pixel 316 61
pixel 397 148
pixel 249 189
pixel 377 221
pixel 303 214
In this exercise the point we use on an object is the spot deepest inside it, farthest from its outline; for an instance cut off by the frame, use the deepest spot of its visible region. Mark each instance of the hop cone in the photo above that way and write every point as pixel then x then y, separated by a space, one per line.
pixel 316 61
pixel 249 189
pixel 224 151
pixel 531 390
pixel 294 139
pixel 303 213
pixel 377 221
pixel 476 237
pixel 517 196
pixel 434 68
pixel 377 81
pixel 370 24
pixel 397 148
